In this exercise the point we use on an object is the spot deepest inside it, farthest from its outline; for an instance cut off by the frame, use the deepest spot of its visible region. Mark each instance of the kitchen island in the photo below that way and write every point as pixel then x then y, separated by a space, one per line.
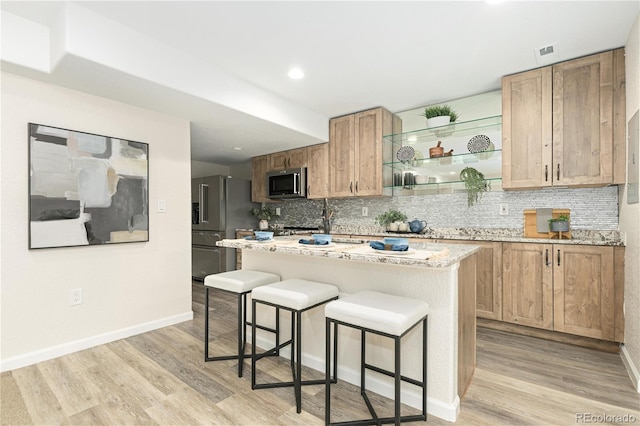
pixel 442 275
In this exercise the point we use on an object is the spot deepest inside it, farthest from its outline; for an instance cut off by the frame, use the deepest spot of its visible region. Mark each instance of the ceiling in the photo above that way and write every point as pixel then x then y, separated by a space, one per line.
pixel 223 65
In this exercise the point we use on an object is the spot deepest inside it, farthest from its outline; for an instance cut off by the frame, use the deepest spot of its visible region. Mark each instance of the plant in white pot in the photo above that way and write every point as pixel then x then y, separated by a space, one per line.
pixel 264 214
pixel 391 219
pixel 559 224
pixel 439 115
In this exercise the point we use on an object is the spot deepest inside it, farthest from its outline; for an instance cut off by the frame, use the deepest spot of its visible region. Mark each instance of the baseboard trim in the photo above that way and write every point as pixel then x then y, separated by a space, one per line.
pixel 634 375
pixel 556 336
pixel 89 342
pixel 410 397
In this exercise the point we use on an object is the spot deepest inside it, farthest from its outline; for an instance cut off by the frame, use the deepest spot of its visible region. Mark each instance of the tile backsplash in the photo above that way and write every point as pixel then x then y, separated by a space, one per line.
pixel 591 209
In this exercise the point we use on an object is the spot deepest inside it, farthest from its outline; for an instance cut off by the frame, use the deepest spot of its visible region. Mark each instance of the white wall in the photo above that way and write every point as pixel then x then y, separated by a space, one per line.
pixel 630 221
pixel 128 288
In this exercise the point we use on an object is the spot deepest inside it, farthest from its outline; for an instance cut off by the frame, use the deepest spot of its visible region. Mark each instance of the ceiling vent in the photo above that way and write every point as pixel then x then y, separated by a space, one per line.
pixel 547 54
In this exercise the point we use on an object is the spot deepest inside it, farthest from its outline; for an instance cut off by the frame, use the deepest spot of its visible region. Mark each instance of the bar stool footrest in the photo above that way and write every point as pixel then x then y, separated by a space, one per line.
pixel 385 420
pixel 390 374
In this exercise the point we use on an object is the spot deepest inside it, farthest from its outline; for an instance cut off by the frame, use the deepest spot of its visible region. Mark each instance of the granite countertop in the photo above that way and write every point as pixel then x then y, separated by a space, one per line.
pixel 579 237
pixel 428 255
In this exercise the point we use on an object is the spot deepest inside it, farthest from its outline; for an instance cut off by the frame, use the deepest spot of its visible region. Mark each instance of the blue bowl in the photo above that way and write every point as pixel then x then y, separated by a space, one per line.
pixel 322 237
pixel 263 234
pixel 396 241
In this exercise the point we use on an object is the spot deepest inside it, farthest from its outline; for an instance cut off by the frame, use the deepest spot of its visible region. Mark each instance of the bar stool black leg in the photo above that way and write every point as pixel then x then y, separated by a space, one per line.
pixel 240 354
pixel 206 323
pixel 253 344
pixel 396 342
pixel 298 347
pixel 327 357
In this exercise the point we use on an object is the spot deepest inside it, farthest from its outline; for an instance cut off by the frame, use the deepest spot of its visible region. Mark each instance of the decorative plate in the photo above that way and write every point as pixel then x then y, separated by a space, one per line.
pixel 393 252
pixel 405 153
pixel 478 143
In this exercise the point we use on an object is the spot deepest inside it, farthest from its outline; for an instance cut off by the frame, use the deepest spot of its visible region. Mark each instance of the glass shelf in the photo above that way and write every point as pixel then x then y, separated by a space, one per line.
pixel 457 129
pixel 457 183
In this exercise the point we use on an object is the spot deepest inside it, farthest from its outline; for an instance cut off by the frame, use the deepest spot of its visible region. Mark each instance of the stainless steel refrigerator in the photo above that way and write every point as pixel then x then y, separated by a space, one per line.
pixel 220 205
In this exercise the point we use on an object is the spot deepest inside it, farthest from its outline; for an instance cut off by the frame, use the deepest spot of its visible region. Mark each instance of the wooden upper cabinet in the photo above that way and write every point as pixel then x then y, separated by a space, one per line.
pixel 259 167
pixel 583 121
pixel 583 283
pixel 527 277
pixel 564 124
pixel 357 152
pixel 342 155
pixel 318 171
pixel 291 159
pixel 526 129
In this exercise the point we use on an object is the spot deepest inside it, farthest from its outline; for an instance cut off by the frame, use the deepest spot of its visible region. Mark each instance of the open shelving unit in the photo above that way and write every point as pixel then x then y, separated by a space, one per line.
pixel 423 175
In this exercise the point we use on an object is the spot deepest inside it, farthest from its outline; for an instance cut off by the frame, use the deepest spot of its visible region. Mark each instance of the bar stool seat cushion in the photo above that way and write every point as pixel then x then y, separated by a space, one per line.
pixel 377 311
pixel 295 293
pixel 240 281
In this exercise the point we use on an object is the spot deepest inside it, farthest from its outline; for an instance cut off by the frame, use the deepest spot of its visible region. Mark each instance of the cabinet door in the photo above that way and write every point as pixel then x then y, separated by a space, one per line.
pixel 583 120
pixel 528 284
pixel 488 278
pixel 342 155
pixel 290 159
pixel 259 167
pixel 527 129
pixel 278 160
pixel 584 291
pixel 368 152
pixel 318 171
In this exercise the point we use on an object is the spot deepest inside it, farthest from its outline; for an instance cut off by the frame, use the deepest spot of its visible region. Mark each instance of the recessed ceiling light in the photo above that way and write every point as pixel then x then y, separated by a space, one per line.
pixel 296 73
pixel 238 148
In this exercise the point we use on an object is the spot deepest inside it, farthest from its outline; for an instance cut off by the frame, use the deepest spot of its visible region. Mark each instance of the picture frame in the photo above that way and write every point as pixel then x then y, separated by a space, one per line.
pixel 86 189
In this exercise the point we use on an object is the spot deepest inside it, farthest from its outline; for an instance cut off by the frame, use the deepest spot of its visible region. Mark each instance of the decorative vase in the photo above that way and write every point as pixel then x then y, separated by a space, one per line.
pixel 440 121
pixel 392 227
pixel 263 224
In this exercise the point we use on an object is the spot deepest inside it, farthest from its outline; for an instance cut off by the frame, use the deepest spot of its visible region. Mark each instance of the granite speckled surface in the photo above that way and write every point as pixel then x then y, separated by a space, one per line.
pixel 422 255
pixel 580 237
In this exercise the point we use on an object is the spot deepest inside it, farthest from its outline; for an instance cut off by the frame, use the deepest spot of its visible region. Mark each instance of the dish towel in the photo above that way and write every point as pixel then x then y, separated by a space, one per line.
pixel 379 245
pixel 314 242
pixel 542 220
pixel 252 238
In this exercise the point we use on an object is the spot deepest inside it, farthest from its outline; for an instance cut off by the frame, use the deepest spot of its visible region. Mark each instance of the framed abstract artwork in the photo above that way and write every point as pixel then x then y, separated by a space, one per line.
pixel 86 189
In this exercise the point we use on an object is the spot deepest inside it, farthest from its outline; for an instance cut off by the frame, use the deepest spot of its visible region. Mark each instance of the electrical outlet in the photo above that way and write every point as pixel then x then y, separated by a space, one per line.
pixel 365 211
pixel 277 211
pixel 76 296
pixel 504 209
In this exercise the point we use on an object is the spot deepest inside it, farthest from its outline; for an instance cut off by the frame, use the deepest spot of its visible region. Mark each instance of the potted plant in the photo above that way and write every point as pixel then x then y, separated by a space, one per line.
pixel 439 115
pixel 474 183
pixel 559 224
pixel 264 214
pixel 390 218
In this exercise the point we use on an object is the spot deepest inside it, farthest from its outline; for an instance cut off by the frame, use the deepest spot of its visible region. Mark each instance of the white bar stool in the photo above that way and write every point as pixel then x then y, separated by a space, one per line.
pixel 240 282
pixel 384 315
pixel 295 296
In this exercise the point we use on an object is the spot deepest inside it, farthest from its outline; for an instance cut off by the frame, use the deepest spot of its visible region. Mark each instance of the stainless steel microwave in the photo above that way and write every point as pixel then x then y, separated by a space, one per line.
pixel 290 183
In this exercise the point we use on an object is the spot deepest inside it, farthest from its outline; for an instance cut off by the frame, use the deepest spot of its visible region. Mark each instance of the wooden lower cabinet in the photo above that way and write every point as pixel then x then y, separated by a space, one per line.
pixel 527 284
pixel 574 289
pixel 241 234
pixel 488 277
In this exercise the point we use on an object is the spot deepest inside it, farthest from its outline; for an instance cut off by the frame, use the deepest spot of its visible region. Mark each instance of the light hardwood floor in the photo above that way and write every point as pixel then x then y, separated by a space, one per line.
pixel 160 378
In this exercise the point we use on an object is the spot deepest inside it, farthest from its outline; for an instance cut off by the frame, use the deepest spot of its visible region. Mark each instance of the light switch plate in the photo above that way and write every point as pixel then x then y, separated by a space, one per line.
pixel 162 206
